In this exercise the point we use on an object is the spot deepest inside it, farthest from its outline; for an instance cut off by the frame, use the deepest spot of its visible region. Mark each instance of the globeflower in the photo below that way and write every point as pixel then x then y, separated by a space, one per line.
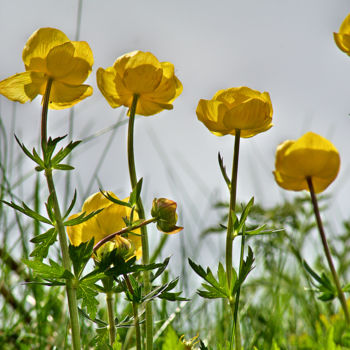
pixel 342 39
pixel 106 222
pixel 241 108
pixel 50 56
pixel 311 156
pixel 140 73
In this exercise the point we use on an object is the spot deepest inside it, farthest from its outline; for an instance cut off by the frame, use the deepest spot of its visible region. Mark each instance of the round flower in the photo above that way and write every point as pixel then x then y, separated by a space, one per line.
pixel 140 73
pixel 241 108
pixel 310 156
pixel 106 222
pixel 342 39
pixel 49 54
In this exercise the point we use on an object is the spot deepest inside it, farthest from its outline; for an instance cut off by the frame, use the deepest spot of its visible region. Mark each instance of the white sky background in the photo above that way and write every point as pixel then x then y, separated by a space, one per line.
pixel 283 47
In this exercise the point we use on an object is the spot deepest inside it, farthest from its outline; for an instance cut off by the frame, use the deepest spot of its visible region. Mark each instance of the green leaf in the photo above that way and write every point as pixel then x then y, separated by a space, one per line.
pixel 88 296
pixel 115 200
pixel 63 153
pixel 247 267
pixel 161 269
pixel 63 167
pixel 135 194
pixel 29 212
pixel 71 205
pixel 44 242
pixel 34 158
pixel 223 171
pixel 80 255
pixel 49 272
pixel 81 218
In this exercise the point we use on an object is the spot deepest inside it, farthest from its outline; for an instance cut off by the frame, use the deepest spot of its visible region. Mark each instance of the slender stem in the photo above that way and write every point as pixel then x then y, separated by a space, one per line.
pixel 111 321
pixel 327 251
pixel 144 235
pixel 233 192
pixel 136 313
pixel 70 288
pixel 122 231
pixel 229 236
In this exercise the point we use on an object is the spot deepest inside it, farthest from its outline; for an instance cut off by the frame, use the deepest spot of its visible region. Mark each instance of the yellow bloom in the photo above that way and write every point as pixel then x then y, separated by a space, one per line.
pixel 310 156
pixel 140 73
pixel 342 39
pixel 49 54
pixel 108 221
pixel 236 108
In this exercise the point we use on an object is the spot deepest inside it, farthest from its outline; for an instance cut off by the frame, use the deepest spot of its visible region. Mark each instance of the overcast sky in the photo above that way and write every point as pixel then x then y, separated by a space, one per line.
pixel 283 47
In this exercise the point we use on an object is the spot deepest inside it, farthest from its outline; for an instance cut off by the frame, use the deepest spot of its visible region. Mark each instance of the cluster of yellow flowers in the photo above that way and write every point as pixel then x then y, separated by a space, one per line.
pixel 49 56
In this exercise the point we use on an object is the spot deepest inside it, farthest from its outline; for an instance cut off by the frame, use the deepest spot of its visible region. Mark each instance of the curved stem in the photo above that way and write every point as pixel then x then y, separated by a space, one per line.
pixel 144 235
pixel 71 290
pixel 327 251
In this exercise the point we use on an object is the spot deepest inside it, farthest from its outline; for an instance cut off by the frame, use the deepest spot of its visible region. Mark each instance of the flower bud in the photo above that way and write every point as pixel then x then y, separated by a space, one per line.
pixel 164 210
pixel 124 248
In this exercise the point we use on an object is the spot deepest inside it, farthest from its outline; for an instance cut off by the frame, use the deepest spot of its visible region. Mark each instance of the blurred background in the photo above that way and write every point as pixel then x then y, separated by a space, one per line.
pixel 283 47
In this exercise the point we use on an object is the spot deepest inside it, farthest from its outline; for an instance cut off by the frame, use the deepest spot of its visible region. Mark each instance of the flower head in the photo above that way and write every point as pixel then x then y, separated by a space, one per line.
pixel 164 210
pixel 310 156
pixel 49 54
pixel 106 222
pixel 140 73
pixel 236 108
pixel 342 39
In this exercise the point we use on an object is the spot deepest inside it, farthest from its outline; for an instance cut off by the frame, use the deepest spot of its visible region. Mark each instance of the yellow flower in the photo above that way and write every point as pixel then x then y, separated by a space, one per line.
pixel 342 39
pixel 310 156
pixel 236 108
pixel 49 54
pixel 142 74
pixel 108 221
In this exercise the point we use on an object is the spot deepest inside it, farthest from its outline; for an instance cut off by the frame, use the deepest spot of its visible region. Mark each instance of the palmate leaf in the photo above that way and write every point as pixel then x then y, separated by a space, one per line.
pixel 80 255
pixel 63 153
pixel 34 157
pixel 81 218
pixel 44 242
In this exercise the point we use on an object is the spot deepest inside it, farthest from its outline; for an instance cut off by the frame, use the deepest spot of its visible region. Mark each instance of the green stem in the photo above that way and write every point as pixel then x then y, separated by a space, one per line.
pixel 111 321
pixel 229 236
pixel 136 313
pixel 144 235
pixel 70 288
pixel 327 251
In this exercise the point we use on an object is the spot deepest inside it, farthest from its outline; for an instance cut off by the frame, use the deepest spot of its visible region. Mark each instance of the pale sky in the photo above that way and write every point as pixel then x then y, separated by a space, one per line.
pixel 283 47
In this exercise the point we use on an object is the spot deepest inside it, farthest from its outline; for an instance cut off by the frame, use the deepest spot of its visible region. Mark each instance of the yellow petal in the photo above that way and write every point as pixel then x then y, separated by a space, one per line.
pixel 147 107
pixel 211 113
pixel 310 156
pixel 38 47
pixel 70 62
pixel 23 87
pixel 63 95
pixel 108 87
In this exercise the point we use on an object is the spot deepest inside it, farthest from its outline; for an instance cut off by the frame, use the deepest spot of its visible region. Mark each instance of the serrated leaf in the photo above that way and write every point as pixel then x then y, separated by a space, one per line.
pixel 50 272
pixel 80 255
pixel 88 296
pixel 44 241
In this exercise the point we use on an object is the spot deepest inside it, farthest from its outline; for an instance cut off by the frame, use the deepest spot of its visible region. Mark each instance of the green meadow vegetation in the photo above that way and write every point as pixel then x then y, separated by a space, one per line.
pixel 88 278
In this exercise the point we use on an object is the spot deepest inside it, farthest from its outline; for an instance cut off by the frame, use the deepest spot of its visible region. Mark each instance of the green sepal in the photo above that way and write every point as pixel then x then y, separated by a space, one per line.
pixel 135 194
pixel 81 218
pixel 223 171
pixel 80 255
pixel 29 212
pixel 44 241
pixel 115 200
